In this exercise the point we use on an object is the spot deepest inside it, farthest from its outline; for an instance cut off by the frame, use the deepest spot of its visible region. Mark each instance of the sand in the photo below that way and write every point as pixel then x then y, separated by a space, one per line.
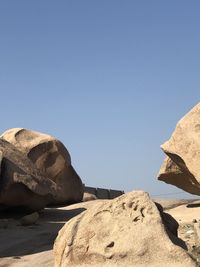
pixel 32 245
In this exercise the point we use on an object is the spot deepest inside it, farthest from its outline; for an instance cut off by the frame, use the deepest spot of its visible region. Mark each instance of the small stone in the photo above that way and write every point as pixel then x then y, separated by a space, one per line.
pixel 194 221
pixel 29 219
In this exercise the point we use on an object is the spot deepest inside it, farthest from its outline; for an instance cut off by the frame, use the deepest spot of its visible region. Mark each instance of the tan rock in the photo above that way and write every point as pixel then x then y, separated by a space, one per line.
pixel 53 160
pixel 171 173
pixel 88 197
pixel 126 231
pixel 22 184
pixel 183 149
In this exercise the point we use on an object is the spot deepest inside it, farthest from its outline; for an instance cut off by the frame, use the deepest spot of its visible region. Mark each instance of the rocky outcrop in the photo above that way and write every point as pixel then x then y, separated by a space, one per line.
pixel 52 159
pixel 181 168
pixel 126 231
pixel 21 183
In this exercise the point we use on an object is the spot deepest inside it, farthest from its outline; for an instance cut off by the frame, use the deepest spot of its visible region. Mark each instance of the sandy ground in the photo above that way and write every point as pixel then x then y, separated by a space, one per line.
pixel 186 213
pixel 188 217
pixel 23 246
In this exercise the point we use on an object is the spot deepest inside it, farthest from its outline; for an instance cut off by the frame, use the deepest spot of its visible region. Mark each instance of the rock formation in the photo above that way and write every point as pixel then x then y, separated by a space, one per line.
pixel 21 184
pixel 126 231
pixel 52 159
pixel 181 168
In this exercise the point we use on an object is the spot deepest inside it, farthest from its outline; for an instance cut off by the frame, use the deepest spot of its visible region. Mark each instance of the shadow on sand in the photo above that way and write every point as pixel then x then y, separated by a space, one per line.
pixel 17 240
pixel 193 205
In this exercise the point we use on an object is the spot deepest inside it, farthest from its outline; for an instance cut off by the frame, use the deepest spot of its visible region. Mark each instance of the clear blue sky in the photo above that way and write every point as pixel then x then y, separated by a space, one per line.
pixel 110 79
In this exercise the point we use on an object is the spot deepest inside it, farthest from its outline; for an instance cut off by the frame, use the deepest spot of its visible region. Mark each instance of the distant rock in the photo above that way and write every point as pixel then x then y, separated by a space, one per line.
pixel 181 168
pixel 88 197
pixel 126 231
pixel 52 159
pixel 21 183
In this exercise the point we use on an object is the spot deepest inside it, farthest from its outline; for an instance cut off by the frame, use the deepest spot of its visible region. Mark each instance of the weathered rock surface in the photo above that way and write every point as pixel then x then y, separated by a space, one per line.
pixel 181 168
pixel 126 231
pixel 171 173
pixel 53 160
pixel 21 184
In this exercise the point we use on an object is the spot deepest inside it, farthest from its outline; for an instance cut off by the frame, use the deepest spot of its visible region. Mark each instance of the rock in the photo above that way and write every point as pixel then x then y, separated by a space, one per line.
pixel 21 184
pixel 126 231
pixel 181 168
pixel 170 173
pixel 52 159
pixel 29 219
pixel 194 221
pixel 88 197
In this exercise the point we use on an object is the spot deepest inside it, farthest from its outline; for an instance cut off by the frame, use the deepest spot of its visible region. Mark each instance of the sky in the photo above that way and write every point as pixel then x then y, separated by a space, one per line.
pixel 108 78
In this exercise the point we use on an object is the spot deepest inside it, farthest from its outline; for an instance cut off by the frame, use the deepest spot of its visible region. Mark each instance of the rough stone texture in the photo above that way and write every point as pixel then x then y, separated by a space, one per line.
pixel 126 231
pixel 21 184
pixel 171 173
pixel 181 168
pixel 53 160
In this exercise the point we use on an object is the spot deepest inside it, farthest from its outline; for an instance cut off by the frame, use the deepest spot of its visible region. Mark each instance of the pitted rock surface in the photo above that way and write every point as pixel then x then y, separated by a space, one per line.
pixel 126 231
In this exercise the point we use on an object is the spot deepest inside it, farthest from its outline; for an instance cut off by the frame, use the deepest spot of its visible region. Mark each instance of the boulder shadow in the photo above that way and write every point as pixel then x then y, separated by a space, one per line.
pixel 17 240
pixel 193 205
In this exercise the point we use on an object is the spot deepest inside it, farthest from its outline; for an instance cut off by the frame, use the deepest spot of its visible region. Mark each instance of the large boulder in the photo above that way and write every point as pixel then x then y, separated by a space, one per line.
pixel 172 174
pixel 21 183
pixel 53 160
pixel 126 231
pixel 181 167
